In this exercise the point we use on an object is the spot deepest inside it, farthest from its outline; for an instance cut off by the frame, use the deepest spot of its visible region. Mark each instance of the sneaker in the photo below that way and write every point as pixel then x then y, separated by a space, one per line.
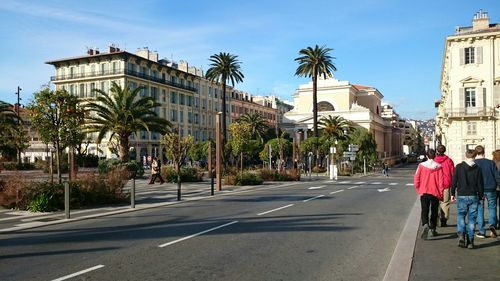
pixel 480 235
pixel 425 232
pixel 461 240
pixel 493 232
pixel 433 233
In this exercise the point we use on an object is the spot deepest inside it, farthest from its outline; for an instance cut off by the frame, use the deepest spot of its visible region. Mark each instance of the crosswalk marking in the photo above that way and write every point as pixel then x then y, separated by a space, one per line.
pixel 393 183
pixel 377 182
pixel 360 182
pixel 409 184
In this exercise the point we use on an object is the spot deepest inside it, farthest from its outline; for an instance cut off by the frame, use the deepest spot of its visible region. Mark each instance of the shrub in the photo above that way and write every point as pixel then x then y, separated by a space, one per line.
pixel 275 175
pixel 248 178
pixel 43 197
pixel 134 167
pixel 9 166
pixel 318 169
pixel 188 174
pixel 11 188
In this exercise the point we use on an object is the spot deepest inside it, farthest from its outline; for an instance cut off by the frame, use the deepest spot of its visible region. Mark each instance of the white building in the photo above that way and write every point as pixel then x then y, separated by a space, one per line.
pixel 470 89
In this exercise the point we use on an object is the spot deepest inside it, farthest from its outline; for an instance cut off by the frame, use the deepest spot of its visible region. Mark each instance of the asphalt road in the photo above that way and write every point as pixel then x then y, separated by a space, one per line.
pixel 319 230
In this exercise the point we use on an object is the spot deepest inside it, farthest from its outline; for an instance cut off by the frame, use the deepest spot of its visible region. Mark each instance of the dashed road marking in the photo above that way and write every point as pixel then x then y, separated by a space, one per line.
pixel 273 210
pixel 409 184
pixel 393 183
pixel 336 191
pixel 315 197
pixel 353 187
pixel 196 234
pixel 79 273
pixel 316 187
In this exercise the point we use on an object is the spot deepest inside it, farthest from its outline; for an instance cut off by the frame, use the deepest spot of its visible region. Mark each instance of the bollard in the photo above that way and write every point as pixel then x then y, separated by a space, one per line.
pixel 211 184
pixel 132 194
pixel 66 200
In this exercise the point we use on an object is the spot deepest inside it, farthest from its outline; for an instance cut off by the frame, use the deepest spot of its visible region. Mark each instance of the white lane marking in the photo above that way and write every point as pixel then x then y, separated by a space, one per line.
pixel 316 187
pixel 377 182
pixel 345 182
pixel 384 189
pixel 312 198
pixel 393 183
pixel 409 184
pixel 79 273
pixel 331 181
pixel 352 187
pixel 360 182
pixel 337 191
pixel 273 210
pixel 196 234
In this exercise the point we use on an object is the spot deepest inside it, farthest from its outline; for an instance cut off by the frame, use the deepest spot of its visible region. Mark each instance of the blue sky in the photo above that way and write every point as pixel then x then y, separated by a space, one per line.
pixel 395 46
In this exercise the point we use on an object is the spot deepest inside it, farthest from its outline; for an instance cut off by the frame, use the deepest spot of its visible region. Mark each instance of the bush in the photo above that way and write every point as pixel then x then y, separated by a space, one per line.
pixel 11 191
pixel 89 160
pixel 43 197
pixel 134 167
pixel 318 169
pixel 9 166
pixel 275 175
pixel 188 174
pixel 248 178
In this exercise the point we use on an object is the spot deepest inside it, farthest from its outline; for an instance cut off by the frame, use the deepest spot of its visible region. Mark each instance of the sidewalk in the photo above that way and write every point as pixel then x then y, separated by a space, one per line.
pixel 440 258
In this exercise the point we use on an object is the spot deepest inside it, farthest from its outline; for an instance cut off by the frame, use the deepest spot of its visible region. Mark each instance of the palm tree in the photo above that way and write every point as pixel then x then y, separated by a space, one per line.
pixel 122 113
pixel 224 67
pixel 258 124
pixel 314 62
pixel 336 127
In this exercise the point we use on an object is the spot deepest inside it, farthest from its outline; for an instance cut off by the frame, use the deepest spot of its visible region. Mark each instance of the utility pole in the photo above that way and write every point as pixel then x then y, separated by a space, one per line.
pixel 18 106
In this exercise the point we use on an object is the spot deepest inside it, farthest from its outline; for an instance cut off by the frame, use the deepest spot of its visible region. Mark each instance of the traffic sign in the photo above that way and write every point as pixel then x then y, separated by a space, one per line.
pixel 349 154
pixel 353 147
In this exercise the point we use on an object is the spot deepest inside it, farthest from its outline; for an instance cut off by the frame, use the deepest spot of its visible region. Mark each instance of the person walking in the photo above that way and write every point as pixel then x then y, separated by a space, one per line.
pixel 385 167
pixel 429 184
pixel 490 174
pixel 496 158
pixel 448 170
pixel 467 189
pixel 155 171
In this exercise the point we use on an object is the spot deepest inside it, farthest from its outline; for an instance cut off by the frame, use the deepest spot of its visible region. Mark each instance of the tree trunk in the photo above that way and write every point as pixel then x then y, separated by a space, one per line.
pixel 241 161
pixel 124 147
pixel 58 162
pixel 178 169
pixel 315 105
pixel 224 113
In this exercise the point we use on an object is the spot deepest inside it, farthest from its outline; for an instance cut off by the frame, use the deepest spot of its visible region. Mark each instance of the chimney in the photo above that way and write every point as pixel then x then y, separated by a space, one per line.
pixel 480 21
pixel 90 52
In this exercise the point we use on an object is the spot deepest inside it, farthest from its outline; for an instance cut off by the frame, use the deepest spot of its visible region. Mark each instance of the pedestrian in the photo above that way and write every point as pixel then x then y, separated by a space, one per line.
pixel 155 171
pixel 429 184
pixel 496 158
pixel 448 169
pixel 467 189
pixel 490 174
pixel 385 167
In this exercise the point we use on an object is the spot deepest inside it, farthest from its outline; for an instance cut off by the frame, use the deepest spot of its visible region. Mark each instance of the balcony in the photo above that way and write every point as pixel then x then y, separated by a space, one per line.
pixel 470 112
pixel 121 72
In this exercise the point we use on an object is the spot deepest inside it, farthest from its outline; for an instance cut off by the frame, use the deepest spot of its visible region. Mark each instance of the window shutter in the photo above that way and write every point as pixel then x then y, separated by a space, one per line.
pixel 484 97
pixel 479 55
pixel 462 56
pixel 479 97
pixel 496 95
pixel 461 98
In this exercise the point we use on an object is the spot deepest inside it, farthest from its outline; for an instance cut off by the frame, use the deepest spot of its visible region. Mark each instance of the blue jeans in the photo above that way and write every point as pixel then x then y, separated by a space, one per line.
pixel 492 211
pixel 467 206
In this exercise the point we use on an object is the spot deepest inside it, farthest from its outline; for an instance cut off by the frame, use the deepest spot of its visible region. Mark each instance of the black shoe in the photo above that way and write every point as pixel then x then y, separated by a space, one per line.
pixel 425 232
pixel 493 232
pixel 470 243
pixel 461 240
pixel 433 233
pixel 443 223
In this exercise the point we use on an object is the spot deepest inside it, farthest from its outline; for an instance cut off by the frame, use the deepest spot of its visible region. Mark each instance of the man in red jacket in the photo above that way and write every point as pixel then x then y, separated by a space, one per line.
pixel 429 184
pixel 448 170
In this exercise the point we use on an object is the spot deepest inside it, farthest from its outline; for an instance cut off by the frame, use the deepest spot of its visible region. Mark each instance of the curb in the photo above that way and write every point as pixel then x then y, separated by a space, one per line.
pixel 400 265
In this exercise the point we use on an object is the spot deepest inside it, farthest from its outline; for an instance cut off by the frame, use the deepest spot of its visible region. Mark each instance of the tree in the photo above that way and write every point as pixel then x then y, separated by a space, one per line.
pixel 314 62
pixel 57 117
pixel 336 127
pixel 123 112
pixel 224 68
pixel 367 146
pixel 257 123
pixel 12 134
pixel 177 148
pixel 240 136
pixel 280 148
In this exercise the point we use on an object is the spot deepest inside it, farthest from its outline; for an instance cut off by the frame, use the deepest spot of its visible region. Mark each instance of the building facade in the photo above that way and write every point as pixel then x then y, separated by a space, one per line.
pixel 470 89
pixel 357 103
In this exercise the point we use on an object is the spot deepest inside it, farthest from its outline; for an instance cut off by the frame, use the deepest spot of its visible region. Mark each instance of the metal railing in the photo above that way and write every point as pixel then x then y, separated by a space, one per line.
pixel 470 112
pixel 118 72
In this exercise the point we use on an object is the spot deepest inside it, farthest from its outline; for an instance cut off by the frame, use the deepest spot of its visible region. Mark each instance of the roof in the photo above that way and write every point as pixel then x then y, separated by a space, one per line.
pixel 87 56
pixel 362 87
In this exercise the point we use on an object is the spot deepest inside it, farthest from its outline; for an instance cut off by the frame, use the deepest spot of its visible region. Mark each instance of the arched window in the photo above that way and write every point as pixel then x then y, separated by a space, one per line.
pixel 325 106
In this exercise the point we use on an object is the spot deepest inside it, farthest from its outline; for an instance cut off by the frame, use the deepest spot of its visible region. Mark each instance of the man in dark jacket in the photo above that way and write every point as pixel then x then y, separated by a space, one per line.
pixel 448 170
pixel 467 189
pixel 489 170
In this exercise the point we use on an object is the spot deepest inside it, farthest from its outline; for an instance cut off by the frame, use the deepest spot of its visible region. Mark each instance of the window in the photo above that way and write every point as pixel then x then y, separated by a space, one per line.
pixel 173 115
pixel 190 117
pixel 196 118
pixel 115 67
pixel 470 97
pixel 82 71
pixel 154 93
pixel 92 89
pixel 163 95
pixel 71 89
pixel 469 55
pixel 181 116
pixel 92 70
pixel 209 91
pixel 82 90
pixel 181 99
pixel 71 72
pixel 471 128
pixel 173 97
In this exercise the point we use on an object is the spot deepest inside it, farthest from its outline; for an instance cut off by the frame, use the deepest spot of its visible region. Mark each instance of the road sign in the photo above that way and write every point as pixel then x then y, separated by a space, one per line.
pixel 353 147
pixel 349 154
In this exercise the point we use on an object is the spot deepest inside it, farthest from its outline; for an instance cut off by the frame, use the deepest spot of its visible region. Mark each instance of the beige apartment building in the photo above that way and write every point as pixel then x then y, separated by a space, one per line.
pixel 470 89
pixel 357 103
pixel 187 99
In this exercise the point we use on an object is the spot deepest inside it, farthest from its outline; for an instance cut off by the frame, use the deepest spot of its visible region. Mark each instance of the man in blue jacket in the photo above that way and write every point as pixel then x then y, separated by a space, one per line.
pixel 490 173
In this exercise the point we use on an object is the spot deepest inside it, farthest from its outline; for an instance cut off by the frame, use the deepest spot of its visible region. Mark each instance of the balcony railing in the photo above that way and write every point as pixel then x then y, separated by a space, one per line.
pixel 470 112
pixel 118 72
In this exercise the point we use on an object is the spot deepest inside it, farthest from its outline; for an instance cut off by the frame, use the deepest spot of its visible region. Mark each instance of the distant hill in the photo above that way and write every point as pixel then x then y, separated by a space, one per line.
pixel 426 127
